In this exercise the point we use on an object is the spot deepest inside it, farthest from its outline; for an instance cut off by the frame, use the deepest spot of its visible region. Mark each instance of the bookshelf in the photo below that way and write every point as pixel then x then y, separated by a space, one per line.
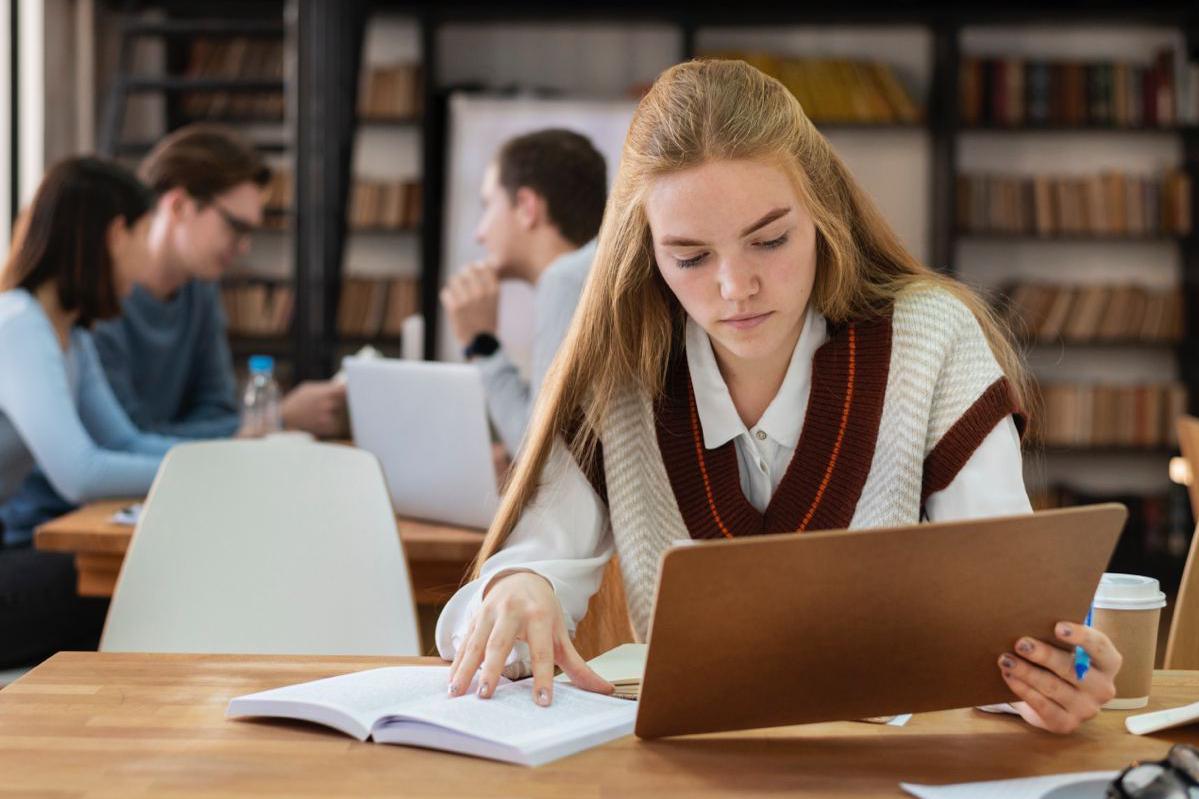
pixel 222 62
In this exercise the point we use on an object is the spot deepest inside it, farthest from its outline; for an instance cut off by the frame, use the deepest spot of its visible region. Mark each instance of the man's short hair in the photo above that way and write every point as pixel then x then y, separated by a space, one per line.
pixel 205 160
pixel 565 168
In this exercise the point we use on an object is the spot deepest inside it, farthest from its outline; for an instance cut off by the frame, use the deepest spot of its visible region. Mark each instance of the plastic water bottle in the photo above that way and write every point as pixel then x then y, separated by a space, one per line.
pixel 261 414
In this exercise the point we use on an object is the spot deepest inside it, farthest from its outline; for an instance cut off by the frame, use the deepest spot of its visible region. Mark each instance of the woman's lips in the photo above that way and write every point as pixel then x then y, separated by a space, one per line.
pixel 746 321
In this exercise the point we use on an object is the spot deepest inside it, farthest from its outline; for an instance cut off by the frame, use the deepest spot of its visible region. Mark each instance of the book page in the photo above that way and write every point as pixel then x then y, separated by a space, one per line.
pixel 512 717
pixel 363 697
pixel 1054 786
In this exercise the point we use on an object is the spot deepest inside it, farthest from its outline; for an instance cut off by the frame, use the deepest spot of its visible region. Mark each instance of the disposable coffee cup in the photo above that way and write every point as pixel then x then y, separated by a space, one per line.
pixel 1127 608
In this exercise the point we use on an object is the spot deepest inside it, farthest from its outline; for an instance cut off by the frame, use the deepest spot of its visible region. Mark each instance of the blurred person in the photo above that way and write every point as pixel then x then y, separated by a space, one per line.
pixel 543 198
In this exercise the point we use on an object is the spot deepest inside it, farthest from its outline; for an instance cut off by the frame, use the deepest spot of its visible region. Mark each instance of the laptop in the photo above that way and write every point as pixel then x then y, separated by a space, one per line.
pixel 790 629
pixel 427 424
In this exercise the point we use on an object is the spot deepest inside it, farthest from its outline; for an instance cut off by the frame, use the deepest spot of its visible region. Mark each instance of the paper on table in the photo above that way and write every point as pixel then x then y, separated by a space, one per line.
pixel 1080 785
pixel 1157 720
pixel 128 515
pixel 624 664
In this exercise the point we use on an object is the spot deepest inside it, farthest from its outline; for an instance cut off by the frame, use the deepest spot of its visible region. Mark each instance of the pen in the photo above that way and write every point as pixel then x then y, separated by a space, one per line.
pixel 1082 661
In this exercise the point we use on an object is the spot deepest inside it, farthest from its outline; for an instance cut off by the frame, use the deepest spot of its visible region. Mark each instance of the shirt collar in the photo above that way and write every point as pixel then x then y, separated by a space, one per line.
pixel 784 417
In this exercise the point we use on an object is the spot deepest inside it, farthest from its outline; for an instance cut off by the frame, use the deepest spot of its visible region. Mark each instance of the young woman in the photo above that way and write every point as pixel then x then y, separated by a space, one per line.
pixel 82 247
pixel 755 353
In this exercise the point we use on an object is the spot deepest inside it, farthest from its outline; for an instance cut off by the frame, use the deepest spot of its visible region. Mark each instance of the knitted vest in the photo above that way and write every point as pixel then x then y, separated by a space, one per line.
pixel 897 406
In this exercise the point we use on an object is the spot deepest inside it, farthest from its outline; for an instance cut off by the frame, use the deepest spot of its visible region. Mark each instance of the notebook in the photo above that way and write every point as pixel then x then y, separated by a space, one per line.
pixel 408 705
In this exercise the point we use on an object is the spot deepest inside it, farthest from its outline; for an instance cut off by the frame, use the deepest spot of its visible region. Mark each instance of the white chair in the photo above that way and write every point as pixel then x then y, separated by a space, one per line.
pixel 271 547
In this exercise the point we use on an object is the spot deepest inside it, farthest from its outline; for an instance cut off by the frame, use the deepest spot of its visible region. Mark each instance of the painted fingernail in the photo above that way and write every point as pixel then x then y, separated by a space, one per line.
pixel 1063 630
pixel 484 689
pixel 1024 647
pixel 1006 662
pixel 453 689
pixel 543 697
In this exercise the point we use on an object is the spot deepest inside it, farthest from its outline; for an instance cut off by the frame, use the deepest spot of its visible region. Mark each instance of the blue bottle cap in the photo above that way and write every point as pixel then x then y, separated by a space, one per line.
pixel 261 364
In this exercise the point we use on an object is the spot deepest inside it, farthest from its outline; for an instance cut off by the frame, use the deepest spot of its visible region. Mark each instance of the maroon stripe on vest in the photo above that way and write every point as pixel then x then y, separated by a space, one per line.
pixel 828 471
pixel 957 445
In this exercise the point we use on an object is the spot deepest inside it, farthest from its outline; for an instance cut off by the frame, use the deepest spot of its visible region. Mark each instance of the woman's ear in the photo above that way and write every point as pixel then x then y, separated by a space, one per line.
pixel 115 236
pixel 529 208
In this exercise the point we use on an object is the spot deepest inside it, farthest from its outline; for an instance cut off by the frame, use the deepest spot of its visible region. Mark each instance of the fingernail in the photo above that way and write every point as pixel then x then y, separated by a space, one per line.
pixel 453 689
pixel 1006 662
pixel 543 697
pixel 1024 647
pixel 484 689
pixel 1063 630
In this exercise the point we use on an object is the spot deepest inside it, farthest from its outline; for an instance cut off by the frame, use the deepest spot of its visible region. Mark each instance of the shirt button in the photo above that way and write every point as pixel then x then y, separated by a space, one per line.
pixel 762 465
pixel 761 434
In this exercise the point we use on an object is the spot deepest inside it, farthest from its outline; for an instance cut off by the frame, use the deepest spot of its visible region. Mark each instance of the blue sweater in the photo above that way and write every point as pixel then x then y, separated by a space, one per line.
pixel 58 412
pixel 169 365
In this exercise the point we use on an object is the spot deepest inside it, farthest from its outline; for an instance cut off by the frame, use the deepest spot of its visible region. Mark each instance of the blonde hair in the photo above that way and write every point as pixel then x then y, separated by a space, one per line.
pixel 628 322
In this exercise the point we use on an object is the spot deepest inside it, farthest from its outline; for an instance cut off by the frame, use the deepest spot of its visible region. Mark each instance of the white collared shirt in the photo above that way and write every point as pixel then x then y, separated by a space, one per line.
pixel 564 536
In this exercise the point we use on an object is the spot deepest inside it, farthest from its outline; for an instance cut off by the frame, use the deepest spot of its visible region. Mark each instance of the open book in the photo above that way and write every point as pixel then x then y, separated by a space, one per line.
pixel 409 705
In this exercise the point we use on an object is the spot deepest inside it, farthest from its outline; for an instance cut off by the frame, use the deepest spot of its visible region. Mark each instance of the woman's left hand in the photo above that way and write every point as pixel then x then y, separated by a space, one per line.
pixel 1042 675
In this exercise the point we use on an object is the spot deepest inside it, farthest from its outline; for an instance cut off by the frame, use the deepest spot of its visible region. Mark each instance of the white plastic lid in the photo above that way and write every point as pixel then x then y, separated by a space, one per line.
pixel 1129 592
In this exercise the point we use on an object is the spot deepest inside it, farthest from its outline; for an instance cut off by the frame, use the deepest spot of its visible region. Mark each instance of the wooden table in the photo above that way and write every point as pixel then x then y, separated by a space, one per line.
pixel 130 725
pixel 437 555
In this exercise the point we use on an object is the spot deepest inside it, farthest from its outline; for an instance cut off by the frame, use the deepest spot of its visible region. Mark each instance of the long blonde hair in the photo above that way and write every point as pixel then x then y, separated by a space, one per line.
pixel 628 322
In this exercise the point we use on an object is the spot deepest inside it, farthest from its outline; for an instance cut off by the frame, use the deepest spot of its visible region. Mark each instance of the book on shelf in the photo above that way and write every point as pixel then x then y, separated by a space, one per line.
pixel 408 705
pixel 258 308
pixel 387 205
pixel 391 92
pixel 998 91
pixel 278 192
pixel 1095 313
pixel 1081 415
pixel 233 58
pixel 1107 204
pixel 839 90
pixel 370 307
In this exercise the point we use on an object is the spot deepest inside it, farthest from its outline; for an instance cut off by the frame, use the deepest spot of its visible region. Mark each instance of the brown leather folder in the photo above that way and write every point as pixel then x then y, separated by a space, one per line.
pixel 789 629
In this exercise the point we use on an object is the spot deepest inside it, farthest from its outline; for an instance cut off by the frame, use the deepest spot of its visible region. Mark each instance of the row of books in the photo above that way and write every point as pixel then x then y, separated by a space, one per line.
pixel 232 58
pixel 839 90
pixel 278 193
pixel 1107 204
pixel 371 307
pixel 391 92
pixel 1046 312
pixel 394 204
pixel 1097 416
pixel 258 308
pixel 1014 92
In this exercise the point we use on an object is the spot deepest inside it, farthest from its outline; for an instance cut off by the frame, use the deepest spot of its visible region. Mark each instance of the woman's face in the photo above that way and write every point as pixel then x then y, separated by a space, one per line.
pixel 739 252
pixel 128 245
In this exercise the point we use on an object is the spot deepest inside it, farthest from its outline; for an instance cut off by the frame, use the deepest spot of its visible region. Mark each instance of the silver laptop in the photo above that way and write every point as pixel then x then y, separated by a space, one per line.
pixel 427 424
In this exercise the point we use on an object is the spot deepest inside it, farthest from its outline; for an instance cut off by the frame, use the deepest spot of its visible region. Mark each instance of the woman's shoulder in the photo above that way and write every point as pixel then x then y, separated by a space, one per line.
pixel 932 306
pixel 19 311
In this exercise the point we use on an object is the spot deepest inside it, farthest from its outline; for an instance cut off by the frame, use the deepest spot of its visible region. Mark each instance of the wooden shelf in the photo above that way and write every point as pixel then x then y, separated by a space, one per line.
pixel 140 148
pixel 1071 237
pixel 390 122
pixel 1020 129
pixel 171 83
pixel 1118 343
pixel 382 231
pixel 277 346
pixel 1162 450
pixel 187 28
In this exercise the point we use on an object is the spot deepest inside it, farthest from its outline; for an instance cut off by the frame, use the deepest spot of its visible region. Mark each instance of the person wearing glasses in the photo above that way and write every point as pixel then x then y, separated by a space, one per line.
pixel 167 355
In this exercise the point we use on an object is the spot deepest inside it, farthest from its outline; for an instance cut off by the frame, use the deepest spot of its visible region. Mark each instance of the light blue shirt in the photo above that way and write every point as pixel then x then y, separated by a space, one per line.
pixel 510 396
pixel 58 412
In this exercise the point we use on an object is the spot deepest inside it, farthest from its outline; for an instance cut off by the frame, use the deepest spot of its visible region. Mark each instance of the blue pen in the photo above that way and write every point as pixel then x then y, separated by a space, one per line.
pixel 1082 661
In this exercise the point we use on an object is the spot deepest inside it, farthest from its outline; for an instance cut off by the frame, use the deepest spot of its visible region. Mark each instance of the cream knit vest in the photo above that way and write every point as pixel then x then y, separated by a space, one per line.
pixel 940 365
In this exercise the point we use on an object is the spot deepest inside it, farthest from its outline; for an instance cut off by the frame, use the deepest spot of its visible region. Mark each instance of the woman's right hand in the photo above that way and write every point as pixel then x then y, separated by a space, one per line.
pixel 520 606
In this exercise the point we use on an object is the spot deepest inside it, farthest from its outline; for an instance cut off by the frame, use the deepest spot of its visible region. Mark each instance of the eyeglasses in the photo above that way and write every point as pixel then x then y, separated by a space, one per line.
pixel 240 228
pixel 1176 777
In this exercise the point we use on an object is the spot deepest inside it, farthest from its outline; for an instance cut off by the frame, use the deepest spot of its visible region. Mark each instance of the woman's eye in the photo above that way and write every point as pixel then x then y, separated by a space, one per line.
pixel 773 243
pixel 687 263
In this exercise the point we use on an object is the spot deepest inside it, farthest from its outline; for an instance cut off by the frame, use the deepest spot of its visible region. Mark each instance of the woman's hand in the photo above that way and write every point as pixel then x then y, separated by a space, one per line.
pixel 520 606
pixel 1042 675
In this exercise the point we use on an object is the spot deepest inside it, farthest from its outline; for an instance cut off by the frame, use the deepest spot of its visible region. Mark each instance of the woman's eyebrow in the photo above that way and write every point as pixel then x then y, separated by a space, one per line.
pixel 676 241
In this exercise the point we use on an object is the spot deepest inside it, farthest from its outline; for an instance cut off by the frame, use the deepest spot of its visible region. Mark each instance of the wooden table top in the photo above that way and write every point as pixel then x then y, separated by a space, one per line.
pixel 129 725
pixel 90 530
